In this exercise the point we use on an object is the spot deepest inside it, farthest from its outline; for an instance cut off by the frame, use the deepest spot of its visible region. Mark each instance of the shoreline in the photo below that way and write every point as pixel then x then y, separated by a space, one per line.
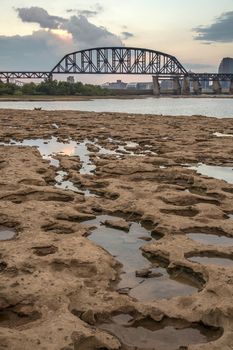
pixel 120 97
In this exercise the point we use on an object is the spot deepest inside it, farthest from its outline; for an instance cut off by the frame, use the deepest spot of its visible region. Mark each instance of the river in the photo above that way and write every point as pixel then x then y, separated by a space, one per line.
pixel 210 107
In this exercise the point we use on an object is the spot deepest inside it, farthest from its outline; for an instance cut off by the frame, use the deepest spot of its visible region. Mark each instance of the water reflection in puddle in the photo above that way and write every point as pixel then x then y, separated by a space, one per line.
pixel 208 259
pixel 217 172
pixel 129 148
pixel 50 148
pixel 69 185
pixel 166 335
pixel 54 125
pixel 126 248
pixel 219 134
pixel 213 239
pixel 6 233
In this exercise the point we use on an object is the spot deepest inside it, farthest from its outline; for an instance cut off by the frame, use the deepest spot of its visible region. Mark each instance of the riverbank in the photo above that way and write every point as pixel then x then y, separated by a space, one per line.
pixel 42 98
pixel 137 170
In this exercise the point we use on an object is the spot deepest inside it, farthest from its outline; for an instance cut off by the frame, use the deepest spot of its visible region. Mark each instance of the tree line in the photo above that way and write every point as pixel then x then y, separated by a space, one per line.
pixel 54 87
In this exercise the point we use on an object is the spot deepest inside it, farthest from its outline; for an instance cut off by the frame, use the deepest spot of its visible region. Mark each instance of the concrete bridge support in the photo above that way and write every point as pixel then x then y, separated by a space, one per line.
pixel 231 87
pixel 186 86
pixel 176 86
pixel 217 88
pixel 156 86
pixel 50 78
pixel 197 88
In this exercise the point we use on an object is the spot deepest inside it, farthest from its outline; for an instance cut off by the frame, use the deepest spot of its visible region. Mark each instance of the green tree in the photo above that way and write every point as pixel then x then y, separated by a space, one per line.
pixel 29 89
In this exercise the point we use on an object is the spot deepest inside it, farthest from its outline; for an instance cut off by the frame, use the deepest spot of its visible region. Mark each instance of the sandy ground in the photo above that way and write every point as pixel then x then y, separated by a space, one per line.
pixel 56 285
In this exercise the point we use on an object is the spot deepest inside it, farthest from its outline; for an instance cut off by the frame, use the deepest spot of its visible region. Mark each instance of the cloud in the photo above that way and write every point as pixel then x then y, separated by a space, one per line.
pixel 38 51
pixel 219 31
pixel 88 13
pixel 40 16
pixel 92 12
pixel 87 34
pixel 200 67
pixel 126 35
pixel 45 47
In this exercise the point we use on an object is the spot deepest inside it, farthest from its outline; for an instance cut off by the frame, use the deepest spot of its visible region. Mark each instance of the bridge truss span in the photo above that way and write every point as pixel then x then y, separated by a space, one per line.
pixel 119 60
pixel 24 75
pixel 211 76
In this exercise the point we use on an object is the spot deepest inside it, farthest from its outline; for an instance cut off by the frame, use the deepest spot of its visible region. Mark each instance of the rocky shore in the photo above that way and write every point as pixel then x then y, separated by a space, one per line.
pixel 60 289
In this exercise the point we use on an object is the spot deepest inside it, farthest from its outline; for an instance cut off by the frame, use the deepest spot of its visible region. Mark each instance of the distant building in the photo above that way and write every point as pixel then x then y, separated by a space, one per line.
pixel 145 86
pixel 70 80
pixel 205 84
pixel 119 85
pixel 132 86
pixel 226 66
pixel 166 84
pixel 140 86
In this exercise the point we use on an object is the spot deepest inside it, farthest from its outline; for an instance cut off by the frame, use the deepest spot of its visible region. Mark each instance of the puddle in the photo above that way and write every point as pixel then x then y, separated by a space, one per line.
pixel 219 134
pixel 131 144
pixel 217 172
pixel 52 147
pixel 129 148
pixel 84 155
pixel 69 185
pixel 169 334
pixel 213 239
pixel 54 125
pixel 49 148
pixel 212 259
pixel 6 233
pixel 126 248
pixel 118 152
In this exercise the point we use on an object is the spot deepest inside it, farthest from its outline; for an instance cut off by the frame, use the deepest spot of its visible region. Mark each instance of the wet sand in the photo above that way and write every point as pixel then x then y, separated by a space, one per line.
pixel 98 182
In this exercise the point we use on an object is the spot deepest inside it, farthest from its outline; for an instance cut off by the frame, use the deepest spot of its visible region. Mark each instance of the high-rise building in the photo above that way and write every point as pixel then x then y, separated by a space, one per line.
pixel 226 65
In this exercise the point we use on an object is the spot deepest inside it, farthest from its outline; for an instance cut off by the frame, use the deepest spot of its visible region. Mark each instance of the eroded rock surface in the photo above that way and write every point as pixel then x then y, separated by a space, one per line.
pixel 57 287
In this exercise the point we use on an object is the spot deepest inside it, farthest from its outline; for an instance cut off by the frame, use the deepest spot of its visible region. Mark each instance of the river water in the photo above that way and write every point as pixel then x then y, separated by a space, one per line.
pixel 210 107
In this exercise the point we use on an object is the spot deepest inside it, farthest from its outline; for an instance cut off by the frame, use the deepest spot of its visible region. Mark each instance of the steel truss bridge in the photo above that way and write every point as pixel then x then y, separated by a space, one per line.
pixel 117 60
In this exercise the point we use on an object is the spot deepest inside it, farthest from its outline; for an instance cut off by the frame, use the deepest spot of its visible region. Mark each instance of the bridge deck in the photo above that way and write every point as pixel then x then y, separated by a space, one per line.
pixel 47 75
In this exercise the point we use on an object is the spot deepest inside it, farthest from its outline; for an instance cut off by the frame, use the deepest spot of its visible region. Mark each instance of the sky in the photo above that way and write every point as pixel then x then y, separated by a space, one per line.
pixel 35 35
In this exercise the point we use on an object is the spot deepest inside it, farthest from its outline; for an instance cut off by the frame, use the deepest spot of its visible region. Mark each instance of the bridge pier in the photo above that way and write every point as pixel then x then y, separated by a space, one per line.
pixel 197 88
pixel 231 87
pixel 217 88
pixel 156 86
pixel 50 77
pixel 176 86
pixel 186 86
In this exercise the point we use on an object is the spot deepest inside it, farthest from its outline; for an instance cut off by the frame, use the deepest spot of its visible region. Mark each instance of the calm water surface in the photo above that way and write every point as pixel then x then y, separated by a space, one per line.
pixel 211 107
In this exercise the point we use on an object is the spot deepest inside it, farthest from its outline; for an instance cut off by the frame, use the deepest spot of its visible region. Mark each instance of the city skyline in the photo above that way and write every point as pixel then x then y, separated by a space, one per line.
pixel 35 35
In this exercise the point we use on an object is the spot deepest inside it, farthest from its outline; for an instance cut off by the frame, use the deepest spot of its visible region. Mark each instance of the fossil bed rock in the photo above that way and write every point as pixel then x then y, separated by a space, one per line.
pixel 56 284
